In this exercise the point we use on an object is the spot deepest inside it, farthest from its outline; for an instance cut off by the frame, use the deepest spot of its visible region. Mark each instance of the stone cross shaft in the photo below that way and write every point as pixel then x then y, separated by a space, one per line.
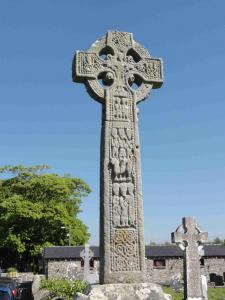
pixel 119 72
pixel 189 241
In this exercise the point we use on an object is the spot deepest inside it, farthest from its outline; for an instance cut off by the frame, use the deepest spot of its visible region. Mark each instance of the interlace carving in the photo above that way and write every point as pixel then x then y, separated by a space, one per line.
pixel 125 250
pixel 125 62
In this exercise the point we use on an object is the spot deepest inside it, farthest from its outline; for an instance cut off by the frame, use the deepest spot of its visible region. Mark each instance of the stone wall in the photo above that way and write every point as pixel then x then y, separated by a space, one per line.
pixel 175 266
pixel 67 269
pixel 162 275
pixel 213 265
pixel 62 269
pixel 26 276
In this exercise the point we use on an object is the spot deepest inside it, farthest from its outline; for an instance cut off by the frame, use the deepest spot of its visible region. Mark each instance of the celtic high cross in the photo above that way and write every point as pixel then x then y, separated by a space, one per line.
pixel 119 72
pixel 189 238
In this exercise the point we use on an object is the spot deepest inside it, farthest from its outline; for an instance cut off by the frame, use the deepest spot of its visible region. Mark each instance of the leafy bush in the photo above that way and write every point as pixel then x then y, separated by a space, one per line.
pixel 12 270
pixel 63 288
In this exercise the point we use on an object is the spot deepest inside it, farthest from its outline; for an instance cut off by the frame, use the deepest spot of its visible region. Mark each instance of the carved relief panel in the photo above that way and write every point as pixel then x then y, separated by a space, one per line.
pixel 122 182
pixel 124 252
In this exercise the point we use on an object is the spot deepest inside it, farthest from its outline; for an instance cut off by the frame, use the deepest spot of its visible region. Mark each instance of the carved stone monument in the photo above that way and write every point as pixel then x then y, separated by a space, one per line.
pixel 189 238
pixel 119 62
pixel 119 73
pixel 86 254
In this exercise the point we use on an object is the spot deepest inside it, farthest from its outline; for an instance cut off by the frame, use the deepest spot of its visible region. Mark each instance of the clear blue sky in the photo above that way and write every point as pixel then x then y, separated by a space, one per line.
pixel 45 118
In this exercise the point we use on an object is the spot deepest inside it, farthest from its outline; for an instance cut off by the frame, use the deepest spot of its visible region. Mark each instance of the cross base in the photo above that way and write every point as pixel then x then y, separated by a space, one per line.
pixel 123 277
pixel 135 291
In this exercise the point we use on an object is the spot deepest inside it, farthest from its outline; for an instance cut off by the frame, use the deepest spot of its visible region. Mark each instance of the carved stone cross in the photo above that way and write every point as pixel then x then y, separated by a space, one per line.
pixel 190 241
pixel 86 254
pixel 119 72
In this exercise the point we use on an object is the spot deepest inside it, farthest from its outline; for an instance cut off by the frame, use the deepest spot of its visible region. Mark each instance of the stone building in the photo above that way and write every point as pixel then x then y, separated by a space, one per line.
pixel 162 262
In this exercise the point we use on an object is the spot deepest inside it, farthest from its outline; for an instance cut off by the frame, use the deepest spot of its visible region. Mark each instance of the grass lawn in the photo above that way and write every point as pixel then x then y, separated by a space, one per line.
pixel 213 294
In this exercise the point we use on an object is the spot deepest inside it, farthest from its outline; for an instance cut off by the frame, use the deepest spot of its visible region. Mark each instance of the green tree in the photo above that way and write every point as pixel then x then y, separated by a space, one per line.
pixel 217 240
pixel 34 207
pixel 152 243
pixel 167 243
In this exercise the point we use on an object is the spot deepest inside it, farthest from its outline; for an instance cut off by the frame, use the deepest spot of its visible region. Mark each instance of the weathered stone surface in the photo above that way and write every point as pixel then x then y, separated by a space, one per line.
pixel 176 283
pixel 71 269
pixel 39 294
pixel 204 287
pixel 189 238
pixel 141 291
pixel 89 277
pixel 59 269
pixel 119 63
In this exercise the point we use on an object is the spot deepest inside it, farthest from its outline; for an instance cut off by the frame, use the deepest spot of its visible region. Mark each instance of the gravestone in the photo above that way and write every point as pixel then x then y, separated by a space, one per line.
pixel 119 73
pixel 189 238
pixel 72 271
pixel 87 254
pixel 176 282
pixel 219 280
pixel 212 277
pixel 204 287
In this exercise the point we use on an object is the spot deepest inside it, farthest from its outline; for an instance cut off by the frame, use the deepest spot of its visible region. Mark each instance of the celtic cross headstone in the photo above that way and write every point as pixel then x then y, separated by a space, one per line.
pixel 86 254
pixel 119 72
pixel 189 237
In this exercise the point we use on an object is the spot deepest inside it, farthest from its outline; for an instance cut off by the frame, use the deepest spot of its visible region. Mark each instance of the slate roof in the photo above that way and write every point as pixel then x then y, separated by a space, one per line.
pixel 163 251
pixel 67 252
pixel 214 250
pixel 71 252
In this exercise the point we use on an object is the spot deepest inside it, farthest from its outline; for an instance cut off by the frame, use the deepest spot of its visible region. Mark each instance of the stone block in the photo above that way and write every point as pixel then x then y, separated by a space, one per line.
pixel 139 291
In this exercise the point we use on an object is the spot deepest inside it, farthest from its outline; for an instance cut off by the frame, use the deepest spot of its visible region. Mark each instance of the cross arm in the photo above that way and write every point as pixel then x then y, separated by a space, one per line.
pixel 87 65
pixel 151 70
pixel 177 237
pixel 203 237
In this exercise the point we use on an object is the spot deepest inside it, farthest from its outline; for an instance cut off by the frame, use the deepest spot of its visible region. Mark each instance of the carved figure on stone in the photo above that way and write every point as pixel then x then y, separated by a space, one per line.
pixel 122 137
pixel 129 136
pixel 116 205
pixel 129 167
pixel 117 108
pixel 122 166
pixel 124 204
pixel 116 167
pixel 124 108
pixel 123 161
pixel 131 204
pixel 115 143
